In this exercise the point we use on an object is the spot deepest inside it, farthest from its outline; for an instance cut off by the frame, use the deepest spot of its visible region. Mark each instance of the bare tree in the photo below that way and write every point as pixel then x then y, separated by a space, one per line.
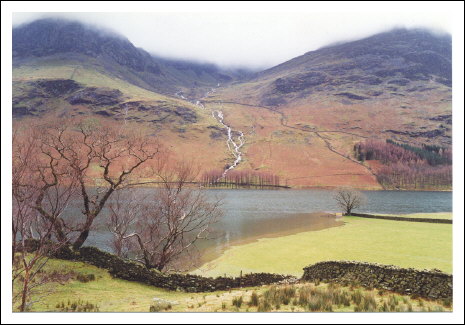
pixel 102 158
pixel 349 199
pixel 42 188
pixel 174 218
pixel 55 163
pixel 126 207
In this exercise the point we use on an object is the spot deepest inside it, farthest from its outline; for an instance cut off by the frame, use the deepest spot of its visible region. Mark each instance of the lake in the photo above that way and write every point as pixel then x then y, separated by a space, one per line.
pixel 252 214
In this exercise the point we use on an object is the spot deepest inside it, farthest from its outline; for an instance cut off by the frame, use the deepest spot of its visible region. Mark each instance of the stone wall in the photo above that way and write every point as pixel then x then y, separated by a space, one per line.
pixel 431 220
pixel 432 284
pixel 126 270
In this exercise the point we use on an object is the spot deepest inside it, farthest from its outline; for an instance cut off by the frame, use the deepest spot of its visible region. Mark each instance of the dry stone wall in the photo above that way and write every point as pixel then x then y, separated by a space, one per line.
pixel 126 270
pixel 432 284
pixel 430 220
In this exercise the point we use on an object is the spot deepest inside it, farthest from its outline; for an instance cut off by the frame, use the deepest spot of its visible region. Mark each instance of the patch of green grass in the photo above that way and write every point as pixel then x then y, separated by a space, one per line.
pixel 405 244
pixel 107 294
pixel 436 215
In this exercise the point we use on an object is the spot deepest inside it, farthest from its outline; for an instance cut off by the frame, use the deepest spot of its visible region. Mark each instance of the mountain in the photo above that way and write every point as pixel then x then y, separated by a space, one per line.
pixel 398 69
pixel 300 120
pixel 397 62
pixel 73 41
pixel 306 115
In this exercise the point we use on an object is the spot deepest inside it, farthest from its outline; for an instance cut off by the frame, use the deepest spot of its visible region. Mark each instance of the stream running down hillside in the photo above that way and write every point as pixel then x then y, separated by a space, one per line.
pixel 234 146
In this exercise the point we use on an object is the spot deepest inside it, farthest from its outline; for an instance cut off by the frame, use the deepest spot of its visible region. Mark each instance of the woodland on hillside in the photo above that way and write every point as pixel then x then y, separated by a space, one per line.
pixel 408 167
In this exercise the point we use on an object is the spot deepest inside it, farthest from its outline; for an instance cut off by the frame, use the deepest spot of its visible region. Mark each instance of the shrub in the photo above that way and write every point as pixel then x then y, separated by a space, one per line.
pixel 254 299
pixel 393 302
pixel 384 307
pixel 264 306
pixel 314 304
pixel 369 302
pixel 278 296
pixel 237 302
pixel 357 297
pixel 77 306
pixel 305 293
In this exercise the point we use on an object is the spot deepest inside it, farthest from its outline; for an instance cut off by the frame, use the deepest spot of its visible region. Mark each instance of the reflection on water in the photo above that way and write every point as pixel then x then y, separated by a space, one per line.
pixel 261 228
pixel 252 214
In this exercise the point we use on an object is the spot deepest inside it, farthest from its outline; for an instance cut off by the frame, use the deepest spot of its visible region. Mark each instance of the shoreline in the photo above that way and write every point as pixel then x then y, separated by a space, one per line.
pixel 152 184
pixel 365 240
pixel 211 253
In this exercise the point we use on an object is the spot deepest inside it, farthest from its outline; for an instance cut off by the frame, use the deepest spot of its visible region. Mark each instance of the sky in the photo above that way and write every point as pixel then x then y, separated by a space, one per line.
pixel 252 39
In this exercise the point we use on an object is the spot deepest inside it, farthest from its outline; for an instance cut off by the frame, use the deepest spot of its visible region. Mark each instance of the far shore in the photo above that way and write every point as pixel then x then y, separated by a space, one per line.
pixel 153 184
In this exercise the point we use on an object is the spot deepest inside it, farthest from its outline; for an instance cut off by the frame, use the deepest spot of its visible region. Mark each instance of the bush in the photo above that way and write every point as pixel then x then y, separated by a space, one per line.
pixel 77 306
pixel 393 301
pixel 357 297
pixel 368 303
pixel 278 296
pixel 314 304
pixel 384 307
pixel 254 300
pixel 264 306
pixel 237 302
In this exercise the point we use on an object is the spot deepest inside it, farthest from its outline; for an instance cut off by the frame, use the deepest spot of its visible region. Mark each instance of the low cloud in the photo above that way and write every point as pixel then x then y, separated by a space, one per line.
pixel 250 40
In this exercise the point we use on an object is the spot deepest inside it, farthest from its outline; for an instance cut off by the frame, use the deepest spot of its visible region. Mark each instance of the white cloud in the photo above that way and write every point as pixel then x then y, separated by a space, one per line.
pixel 251 39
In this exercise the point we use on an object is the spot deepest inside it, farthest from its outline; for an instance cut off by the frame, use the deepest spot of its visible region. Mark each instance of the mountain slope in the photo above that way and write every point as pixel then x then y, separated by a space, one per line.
pixel 401 70
pixel 67 69
pixel 72 41
pixel 300 120
pixel 305 116
pixel 399 61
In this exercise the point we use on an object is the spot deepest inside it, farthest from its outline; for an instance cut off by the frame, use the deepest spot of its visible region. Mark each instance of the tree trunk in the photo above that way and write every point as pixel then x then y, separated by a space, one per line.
pixel 25 291
pixel 59 233
pixel 81 239
pixel 85 231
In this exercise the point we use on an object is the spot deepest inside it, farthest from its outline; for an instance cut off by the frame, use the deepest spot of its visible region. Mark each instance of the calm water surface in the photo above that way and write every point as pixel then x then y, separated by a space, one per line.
pixel 251 214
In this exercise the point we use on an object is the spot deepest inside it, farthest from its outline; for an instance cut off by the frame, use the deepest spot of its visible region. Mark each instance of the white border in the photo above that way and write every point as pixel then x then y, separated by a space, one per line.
pixel 455 9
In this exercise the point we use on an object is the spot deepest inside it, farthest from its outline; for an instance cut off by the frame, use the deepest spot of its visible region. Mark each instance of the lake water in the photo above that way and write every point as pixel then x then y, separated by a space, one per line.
pixel 252 214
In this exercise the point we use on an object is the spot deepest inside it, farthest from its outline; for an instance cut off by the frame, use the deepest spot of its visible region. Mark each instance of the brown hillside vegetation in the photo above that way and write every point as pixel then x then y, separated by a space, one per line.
pixel 300 119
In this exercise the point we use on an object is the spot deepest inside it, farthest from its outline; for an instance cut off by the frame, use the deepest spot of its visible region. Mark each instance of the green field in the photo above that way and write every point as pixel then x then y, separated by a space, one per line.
pixel 107 294
pixel 437 215
pixel 405 244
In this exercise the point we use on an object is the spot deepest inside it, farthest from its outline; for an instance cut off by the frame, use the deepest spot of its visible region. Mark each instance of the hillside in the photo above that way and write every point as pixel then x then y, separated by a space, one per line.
pixel 300 120
pixel 396 63
pixel 305 115
pixel 48 40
